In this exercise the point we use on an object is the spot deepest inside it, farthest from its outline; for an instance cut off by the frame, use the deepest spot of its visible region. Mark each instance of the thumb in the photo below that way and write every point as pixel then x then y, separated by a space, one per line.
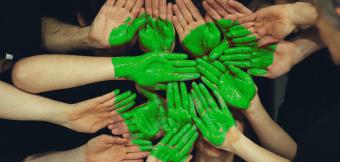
pixel 267 40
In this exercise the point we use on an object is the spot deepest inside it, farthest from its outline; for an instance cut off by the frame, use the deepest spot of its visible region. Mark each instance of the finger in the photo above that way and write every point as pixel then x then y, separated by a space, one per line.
pixel 165 140
pixel 159 87
pixel 211 11
pixel 126 107
pixel 239 73
pixel 238 33
pixel 187 137
pixel 190 144
pixel 177 137
pixel 249 25
pixel 114 140
pixel 136 155
pixel 120 130
pixel 129 4
pixel 122 96
pixel 100 125
pixel 220 100
pixel 177 96
pixel 193 10
pixel 257 72
pixel 183 63
pixel 133 161
pixel 137 8
pixel 116 118
pixel 217 64
pixel 180 16
pixel 208 74
pixel 208 18
pixel 208 83
pixel 217 7
pixel 200 96
pixel 238 50
pixel 185 96
pixel 184 77
pixel 208 65
pixel 201 126
pixel 128 100
pixel 267 40
pixel 240 64
pixel 162 9
pixel 178 27
pixel 208 97
pixel 170 97
pixel 235 57
pixel 185 11
pixel 192 109
pixel 218 51
pixel 120 3
pixel 198 104
pixel 110 3
pixel 155 8
pixel 169 12
pixel 141 12
pixel 250 44
pixel 148 7
pixel 246 18
pixel 244 39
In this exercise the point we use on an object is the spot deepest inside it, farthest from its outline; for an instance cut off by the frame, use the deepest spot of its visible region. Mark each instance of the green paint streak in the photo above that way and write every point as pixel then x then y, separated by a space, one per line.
pixel 154 68
pixel 125 32
pixel 176 145
pixel 202 39
pixel 214 121
pixel 158 35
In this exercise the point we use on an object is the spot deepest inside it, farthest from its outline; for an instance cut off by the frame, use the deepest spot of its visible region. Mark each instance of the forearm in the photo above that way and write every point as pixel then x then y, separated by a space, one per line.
pixel 251 152
pixel 61 37
pixel 18 105
pixel 307 43
pixel 270 134
pixel 73 155
pixel 303 13
pixel 50 72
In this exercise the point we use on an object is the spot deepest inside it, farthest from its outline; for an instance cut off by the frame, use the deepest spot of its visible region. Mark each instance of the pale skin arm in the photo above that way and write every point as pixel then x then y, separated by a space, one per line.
pixel 58 36
pixel 76 154
pixel 270 134
pixel 60 72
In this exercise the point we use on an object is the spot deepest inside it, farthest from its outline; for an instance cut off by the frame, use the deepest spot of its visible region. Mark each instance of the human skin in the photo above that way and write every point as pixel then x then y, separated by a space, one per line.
pixel 98 149
pixel 42 73
pixel 158 33
pixel 236 86
pixel 88 116
pixel 229 137
pixel 196 35
pixel 175 146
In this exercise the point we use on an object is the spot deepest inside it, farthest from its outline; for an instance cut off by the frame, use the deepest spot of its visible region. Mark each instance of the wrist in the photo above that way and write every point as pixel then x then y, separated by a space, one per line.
pixel 124 66
pixel 60 117
pixel 254 108
pixel 232 136
pixel 302 13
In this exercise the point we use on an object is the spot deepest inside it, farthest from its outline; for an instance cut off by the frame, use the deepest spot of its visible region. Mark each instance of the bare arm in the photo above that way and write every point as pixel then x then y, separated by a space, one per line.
pixel 73 155
pixel 58 36
pixel 49 72
pixel 270 134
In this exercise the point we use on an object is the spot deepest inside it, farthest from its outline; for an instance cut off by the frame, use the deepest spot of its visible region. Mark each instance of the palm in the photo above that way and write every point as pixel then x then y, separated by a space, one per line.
pixel 217 126
pixel 182 116
pixel 98 150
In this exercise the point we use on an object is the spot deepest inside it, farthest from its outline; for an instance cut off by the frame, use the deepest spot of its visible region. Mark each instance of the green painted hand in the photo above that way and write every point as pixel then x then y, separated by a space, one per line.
pixel 214 120
pixel 176 145
pixel 178 103
pixel 236 86
pixel 155 68
pixel 201 40
pixel 123 102
pixel 158 35
pixel 144 145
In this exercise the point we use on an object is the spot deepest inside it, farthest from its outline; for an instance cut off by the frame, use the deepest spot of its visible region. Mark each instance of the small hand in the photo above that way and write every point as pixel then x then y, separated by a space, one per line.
pixel 91 115
pixel 236 86
pixel 159 33
pixel 196 35
pixel 153 69
pixel 115 25
pixel 178 103
pixel 114 149
pixel 176 145
pixel 214 120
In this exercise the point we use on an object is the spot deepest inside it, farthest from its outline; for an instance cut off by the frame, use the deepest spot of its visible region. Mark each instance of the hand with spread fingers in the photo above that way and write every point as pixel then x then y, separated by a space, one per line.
pixel 114 149
pixel 158 33
pixel 92 115
pixel 236 86
pixel 197 35
pixel 213 120
pixel 175 146
pixel 178 103
pixel 116 23
pixel 152 69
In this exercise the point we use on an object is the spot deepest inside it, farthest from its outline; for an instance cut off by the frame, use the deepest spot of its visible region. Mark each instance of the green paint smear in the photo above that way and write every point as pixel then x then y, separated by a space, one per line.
pixel 158 35
pixel 202 39
pixel 125 32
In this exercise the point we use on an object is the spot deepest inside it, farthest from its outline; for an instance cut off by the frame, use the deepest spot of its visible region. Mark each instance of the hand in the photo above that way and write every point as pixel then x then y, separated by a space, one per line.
pixel 92 115
pixel 143 122
pixel 214 120
pixel 153 69
pixel 207 152
pixel 274 23
pixel 175 146
pixel 178 103
pixel 236 86
pixel 113 149
pixel 196 35
pixel 159 33
pixel 115 25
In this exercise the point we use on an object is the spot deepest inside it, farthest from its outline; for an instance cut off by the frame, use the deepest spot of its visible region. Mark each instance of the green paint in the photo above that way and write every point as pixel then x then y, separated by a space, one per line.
pixel 218 51
pixel 158 35
pixel 213 120
pixel 124 101
pixel 176 145
pixel 178 103
pixel 144 145
pixel 202 39
pixel 155 68
pixel 125 32
pixel 235 85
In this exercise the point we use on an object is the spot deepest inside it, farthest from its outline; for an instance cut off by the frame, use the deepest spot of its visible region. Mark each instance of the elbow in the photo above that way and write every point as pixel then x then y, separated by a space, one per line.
pixel 23 78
